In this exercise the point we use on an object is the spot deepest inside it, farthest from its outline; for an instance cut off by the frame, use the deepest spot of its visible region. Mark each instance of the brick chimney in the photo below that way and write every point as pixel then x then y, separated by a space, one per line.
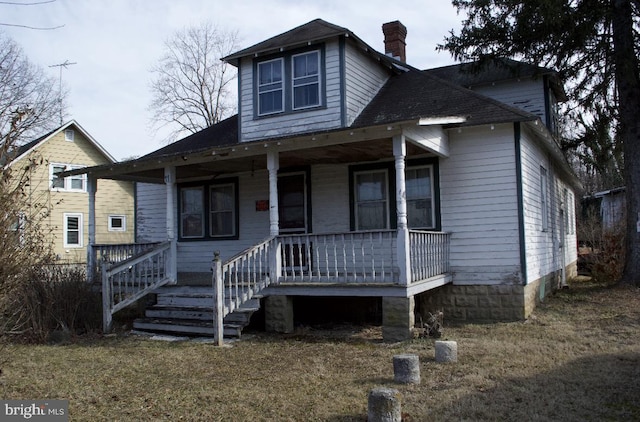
pixel 395 34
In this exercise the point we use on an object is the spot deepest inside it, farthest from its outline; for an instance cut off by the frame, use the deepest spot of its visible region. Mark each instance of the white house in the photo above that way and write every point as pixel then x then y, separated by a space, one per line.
pixel 347 174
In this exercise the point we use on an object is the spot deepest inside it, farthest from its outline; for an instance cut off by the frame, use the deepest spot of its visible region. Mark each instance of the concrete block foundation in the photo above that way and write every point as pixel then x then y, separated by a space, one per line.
pixel 278 314
pixel 398 318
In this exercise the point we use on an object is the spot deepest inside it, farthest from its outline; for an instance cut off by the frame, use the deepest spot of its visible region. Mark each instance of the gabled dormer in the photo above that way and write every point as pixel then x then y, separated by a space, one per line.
pixel 531 88
pixel 313 78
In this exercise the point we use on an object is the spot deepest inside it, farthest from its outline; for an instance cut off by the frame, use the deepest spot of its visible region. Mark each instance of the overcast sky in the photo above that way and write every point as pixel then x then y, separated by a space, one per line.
pixel 116 42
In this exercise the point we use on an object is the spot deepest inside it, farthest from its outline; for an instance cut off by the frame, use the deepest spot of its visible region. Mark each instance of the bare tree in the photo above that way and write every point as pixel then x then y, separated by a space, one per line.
pixel 30 102
pixel 191 86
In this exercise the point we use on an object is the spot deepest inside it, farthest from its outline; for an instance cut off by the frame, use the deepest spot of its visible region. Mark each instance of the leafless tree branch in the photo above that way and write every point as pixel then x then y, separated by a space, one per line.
pixel 191 87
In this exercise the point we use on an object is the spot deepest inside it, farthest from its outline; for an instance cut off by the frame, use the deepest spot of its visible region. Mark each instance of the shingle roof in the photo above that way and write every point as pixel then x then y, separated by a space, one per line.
pixel 310 32
pixel 414 95
pixel 495 70
pixel 221 134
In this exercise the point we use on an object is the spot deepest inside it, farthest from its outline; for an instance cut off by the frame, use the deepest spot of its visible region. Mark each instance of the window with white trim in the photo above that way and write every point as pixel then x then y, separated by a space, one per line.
pixel 306 80
pixel 77 183
pixel 270 87
pixel 69 135
pixel 544 199
pixel 371 200
pixel 73 230
pixel 289 83
pixel 117 223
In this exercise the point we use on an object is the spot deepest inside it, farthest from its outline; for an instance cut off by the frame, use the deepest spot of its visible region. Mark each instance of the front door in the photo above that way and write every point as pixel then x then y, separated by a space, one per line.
pixel 292 203
pixel 293 215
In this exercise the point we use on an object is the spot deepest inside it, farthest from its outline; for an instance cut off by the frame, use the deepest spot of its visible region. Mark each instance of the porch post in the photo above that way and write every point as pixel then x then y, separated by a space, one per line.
pixel 171 193
pixel 273 164
pixel 92 187
pixel 404 259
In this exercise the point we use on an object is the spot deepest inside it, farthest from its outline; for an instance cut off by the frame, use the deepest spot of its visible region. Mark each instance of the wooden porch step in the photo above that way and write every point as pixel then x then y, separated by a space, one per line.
pixel 187 310
pixel 184 326
pixel 241 315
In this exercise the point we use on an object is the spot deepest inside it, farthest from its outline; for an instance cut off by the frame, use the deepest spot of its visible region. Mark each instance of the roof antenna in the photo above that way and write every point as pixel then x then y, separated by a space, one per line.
pixel 62 65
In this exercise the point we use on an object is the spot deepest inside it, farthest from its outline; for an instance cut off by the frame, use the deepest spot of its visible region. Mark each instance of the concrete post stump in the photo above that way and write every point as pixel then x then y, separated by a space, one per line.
pixel 384 405
pixel 446 351
pixel 406 369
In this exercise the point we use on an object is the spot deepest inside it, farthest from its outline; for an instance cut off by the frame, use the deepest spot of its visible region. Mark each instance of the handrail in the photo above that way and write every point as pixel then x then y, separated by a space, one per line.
pixel 238 280
pixel 130 280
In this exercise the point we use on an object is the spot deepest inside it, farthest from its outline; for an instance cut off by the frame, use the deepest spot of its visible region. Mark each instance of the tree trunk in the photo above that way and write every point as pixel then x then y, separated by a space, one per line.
pixel 628 83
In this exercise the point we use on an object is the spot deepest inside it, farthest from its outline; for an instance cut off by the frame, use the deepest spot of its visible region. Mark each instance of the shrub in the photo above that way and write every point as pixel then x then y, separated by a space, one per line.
pixel 602 252
pixel 54 303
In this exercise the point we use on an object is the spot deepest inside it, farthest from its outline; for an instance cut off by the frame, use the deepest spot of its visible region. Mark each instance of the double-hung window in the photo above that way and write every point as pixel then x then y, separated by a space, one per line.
pixel 271 87
pixel 289 83
pixel 222 210
pixel 77 183
pixel 73 230
pixel 306 80
pixel 371 200
pixel 209 212
pixel 420 198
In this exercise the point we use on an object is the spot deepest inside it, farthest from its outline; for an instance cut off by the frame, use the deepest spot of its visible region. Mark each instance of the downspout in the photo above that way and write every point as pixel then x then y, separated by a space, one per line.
pixel 520 198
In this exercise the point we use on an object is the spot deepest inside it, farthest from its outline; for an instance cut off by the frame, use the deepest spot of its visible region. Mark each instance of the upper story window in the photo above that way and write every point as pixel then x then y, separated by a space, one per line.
pixel 77 183
pixel 69 135
pixel 289 83
pixel 270 87
pixel 306 80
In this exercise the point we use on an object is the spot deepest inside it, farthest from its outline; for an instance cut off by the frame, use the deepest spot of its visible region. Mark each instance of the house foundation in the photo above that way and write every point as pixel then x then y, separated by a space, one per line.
pixel 278 314
pixel 491 303
pixel 398 318
pixel 478 303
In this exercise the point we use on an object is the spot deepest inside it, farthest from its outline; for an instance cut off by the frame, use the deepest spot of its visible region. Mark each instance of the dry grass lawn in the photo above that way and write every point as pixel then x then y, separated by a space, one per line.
pixel 577 359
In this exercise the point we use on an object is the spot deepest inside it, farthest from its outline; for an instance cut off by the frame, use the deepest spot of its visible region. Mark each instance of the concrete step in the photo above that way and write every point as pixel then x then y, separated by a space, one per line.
pixel 184 326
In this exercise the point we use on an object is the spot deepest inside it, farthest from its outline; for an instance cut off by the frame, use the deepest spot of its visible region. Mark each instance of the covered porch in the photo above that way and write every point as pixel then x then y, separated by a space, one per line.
pixel 398 261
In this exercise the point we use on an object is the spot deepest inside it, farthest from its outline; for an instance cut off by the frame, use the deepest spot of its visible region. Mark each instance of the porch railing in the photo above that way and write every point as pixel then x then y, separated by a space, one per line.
pixel 355 257
pixel 127 281
pixel 110 254
pixel 429 254
pixel 239 279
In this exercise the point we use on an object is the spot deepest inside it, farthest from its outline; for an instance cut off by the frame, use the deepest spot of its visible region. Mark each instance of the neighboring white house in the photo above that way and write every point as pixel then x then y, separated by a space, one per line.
pixel 347 173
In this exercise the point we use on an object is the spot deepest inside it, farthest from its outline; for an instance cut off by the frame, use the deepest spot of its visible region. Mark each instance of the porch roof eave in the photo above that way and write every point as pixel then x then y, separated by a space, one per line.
pixel 150 168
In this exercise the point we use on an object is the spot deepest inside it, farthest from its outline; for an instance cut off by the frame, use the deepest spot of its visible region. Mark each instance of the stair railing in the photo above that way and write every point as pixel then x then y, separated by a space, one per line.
pixel 239 279
pixel 128 281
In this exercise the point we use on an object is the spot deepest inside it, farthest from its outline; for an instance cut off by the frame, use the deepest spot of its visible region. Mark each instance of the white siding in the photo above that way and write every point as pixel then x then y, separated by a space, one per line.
pixel 364 78
pixel 330 213
pixel 291 123
pixel 543 247
pixel 479 205
pixel 196 256
pixel 151 214
pixel 527 95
